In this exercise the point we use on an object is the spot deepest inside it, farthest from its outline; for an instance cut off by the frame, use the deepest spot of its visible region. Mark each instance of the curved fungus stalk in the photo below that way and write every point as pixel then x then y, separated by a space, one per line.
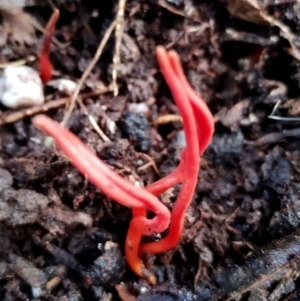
pixel 44 59
pixel 103 177
pixel 198 126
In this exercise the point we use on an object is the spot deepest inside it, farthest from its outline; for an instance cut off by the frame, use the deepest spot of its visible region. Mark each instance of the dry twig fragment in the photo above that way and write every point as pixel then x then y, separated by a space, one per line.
pixel 53 104
pixel 119 34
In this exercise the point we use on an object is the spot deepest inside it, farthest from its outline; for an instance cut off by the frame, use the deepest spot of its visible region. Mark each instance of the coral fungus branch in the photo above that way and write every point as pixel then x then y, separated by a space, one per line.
pixel 191 156
pixel 44 60
pixel 105 178
pixel 198 126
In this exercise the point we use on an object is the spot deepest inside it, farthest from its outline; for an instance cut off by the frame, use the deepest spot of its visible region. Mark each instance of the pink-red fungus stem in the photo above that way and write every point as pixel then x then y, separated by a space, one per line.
pixel 198 126
pixel 103 177
pixel 44 59
pixel 190 160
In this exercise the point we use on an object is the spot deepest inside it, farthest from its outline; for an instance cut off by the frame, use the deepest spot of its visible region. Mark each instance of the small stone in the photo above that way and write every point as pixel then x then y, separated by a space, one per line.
pixel 21 86
pixel 138 108
pixel 6 179
pixel 136 127
pixel 28 272
pixel 64 85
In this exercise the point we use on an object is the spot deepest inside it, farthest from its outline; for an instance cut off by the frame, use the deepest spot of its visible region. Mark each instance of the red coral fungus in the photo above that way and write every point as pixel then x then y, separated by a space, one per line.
pixel 198 126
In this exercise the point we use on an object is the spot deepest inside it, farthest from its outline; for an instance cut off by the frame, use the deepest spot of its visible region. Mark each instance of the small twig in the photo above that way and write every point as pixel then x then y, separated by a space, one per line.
pixel 274 137
pixel 21 62
pixel 284 118
pixel 279 2
pixel 88 70
pixel 165 119
pixel 93 121
pixel 176 40
pixel 97 128
pixel 119 29
pixel 275 108
pixel 15 116
pixel 170 8
pixel 280 118
pixel 53 283
pixel 266 139
pixel 18 115
pixel 292 132
pixel 151 162
pixel 52 4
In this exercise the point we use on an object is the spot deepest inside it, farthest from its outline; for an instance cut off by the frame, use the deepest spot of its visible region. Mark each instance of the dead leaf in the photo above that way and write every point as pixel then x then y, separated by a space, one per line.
pixel 233 116
pixel 19 27
pixel 248 10
pixel 293 106
pixel 251 11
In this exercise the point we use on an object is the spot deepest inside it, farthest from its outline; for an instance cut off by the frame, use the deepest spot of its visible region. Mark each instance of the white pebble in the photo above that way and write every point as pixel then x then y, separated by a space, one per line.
pixel 179 140
pixel 21 86
pixel 179 143
pixel 111 126
pixel 139 108
pixel 64 85
pixel 37 292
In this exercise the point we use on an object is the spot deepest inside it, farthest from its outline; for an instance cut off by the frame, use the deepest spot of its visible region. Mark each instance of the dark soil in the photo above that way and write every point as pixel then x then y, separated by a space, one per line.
pixel 62 239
